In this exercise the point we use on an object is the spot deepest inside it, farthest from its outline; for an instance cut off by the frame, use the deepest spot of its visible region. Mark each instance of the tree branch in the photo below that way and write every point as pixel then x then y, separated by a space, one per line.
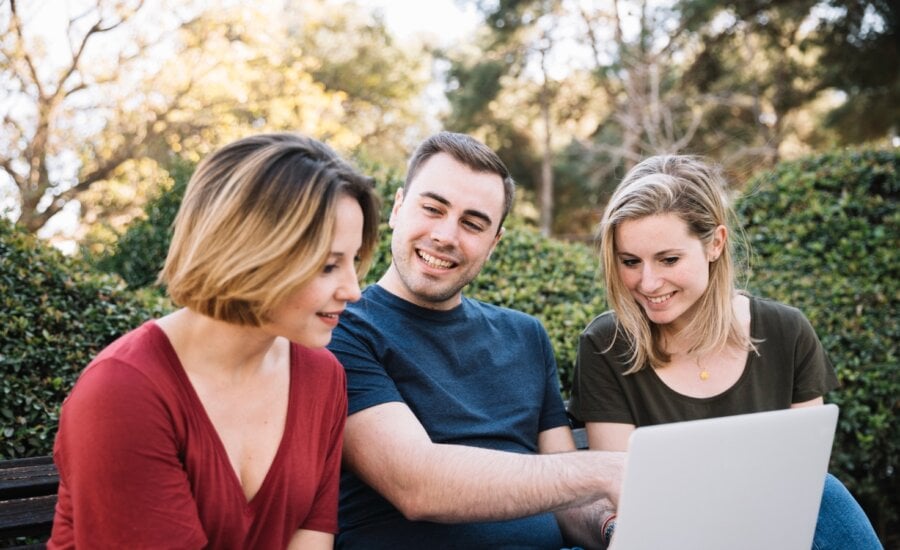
pixel 16 24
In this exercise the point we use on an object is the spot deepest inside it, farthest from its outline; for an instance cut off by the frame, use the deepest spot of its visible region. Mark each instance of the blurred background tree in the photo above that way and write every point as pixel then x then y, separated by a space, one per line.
pixel 746 83
pixel 90 127
pixel 570 92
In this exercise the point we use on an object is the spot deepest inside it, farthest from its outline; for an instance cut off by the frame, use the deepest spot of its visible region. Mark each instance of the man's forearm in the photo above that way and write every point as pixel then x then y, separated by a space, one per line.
pixel 453 483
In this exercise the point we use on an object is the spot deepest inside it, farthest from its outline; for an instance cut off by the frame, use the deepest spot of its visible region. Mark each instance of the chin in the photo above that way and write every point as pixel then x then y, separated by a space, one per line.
pixel 308 341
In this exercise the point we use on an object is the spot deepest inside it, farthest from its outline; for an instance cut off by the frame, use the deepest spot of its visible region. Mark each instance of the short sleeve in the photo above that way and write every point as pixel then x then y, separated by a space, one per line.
pixel 368 384
pixel 122 483
pixel 814 374
pixel 597 391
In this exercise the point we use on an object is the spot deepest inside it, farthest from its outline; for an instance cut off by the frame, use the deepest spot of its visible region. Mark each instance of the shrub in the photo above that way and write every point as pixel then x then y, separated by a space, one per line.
pixel 824 233
pixel 56 316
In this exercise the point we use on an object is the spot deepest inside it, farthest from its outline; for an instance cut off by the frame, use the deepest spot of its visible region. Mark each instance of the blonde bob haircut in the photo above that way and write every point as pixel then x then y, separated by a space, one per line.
pixel 695 192
pixel 257 223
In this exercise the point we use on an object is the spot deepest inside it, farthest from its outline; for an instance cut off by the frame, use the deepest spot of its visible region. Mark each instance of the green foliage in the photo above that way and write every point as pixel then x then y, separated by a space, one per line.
pixel 825 233
pixel 56 316
pixel 140 252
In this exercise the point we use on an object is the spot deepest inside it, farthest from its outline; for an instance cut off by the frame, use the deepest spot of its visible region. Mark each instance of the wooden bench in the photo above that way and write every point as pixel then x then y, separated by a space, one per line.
pixel 578 430
pixel 580 438
pixel 27 499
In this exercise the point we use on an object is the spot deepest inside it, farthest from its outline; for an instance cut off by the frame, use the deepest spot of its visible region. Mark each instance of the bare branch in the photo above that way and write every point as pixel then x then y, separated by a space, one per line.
pixel 593 41
pixel 696 120
pixel 16 24
pixel 77 51
pixel 6 165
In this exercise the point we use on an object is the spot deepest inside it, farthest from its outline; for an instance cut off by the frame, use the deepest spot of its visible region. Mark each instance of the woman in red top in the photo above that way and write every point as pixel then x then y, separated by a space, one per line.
pixel 220 425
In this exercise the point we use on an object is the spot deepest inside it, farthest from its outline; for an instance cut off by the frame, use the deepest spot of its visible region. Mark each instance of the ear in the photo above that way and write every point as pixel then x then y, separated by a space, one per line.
pixel 398 201
pixel 496 240
pixel 717 244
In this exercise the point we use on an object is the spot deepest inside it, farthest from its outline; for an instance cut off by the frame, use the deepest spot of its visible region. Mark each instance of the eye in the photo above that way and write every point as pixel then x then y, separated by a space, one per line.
pixel 431 209
pixel 671 260
pixel 473 226
pixel 329 268
pixel 630 262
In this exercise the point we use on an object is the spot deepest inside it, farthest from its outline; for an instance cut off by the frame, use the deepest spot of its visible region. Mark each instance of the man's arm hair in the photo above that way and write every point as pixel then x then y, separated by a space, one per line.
pixel 389 449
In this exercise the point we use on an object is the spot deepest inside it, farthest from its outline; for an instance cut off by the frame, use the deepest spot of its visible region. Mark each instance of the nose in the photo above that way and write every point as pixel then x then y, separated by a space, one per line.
pixel 445 231
pixel 349 290
pixel 650 279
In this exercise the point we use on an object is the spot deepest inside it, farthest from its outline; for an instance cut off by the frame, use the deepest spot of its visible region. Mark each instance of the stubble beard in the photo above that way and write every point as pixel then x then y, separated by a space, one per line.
pixel 424 288
pixel 427 290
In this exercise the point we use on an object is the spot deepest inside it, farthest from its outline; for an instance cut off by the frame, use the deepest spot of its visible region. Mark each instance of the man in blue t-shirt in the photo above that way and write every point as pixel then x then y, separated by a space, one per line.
pixel 457 436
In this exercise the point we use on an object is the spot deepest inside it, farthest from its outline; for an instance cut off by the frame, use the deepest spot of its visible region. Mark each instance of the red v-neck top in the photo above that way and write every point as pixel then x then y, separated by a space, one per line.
pixel 141 464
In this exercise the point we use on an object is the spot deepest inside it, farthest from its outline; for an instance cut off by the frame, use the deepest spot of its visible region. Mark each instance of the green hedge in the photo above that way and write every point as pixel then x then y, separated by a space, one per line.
pixel 825 232
pixel 56 315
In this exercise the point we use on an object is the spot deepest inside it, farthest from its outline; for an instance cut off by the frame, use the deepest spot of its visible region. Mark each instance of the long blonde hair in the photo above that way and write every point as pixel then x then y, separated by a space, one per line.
pixel 695 192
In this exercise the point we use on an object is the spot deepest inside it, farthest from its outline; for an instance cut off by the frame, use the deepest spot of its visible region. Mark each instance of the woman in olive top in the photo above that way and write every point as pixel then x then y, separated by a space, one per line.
pixel 680 342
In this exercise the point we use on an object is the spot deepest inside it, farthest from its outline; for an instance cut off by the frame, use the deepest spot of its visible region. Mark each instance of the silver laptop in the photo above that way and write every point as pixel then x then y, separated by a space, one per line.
pixel 749 481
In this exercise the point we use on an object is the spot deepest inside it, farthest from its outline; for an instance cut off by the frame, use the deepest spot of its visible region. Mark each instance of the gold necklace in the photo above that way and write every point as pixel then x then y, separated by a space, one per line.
pixel 704 374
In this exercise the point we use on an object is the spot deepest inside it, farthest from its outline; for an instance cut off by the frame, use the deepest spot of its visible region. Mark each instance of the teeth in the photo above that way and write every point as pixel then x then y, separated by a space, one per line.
pixel 329 315
pixel 435 262
pixel 659 299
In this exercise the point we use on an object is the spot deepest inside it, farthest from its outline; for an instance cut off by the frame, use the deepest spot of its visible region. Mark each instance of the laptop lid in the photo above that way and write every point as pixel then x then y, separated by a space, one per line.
pixel 749 481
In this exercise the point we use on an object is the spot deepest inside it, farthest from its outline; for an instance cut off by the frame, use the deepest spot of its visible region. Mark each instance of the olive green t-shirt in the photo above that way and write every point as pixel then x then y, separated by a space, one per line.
pixel 791 367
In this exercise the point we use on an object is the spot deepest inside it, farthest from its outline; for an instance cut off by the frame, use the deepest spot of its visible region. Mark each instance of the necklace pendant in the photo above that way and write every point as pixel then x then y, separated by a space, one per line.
pixel 704 375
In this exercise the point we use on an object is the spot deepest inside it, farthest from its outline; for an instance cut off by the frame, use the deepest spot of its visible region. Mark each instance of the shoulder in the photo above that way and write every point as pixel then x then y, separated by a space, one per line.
pixel 319 364
pixel 142 355
pixel 777 315
pixel 370 302
pixel 498 314
pixel 602 329
pixel 134 373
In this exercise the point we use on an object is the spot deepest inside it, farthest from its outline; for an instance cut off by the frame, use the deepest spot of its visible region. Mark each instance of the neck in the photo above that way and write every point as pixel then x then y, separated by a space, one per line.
pixel 207 346
pixel 392 282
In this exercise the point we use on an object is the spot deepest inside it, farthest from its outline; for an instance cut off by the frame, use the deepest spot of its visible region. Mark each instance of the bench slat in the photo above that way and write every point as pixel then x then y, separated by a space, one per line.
pixel 27 477
pixel 27 517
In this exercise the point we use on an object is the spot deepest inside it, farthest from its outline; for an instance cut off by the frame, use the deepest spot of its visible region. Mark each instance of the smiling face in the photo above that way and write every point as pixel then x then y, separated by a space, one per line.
pixel 664 266
pixel 445 229
pixel 309 314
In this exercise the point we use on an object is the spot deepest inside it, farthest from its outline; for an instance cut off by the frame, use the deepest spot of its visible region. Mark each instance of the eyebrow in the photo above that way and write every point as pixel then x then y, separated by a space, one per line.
pixel 659 254
pixel 469 212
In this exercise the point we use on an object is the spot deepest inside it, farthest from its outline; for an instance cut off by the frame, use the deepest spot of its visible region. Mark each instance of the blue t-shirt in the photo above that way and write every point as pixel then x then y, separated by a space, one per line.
pixel 476 375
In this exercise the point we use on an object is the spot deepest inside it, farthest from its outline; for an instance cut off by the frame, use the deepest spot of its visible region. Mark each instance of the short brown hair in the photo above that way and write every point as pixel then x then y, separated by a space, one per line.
pixel 470 152
pixel 257 222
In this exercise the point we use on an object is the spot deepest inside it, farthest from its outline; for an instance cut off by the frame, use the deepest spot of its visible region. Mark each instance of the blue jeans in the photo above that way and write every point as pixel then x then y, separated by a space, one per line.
pixel 842 524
